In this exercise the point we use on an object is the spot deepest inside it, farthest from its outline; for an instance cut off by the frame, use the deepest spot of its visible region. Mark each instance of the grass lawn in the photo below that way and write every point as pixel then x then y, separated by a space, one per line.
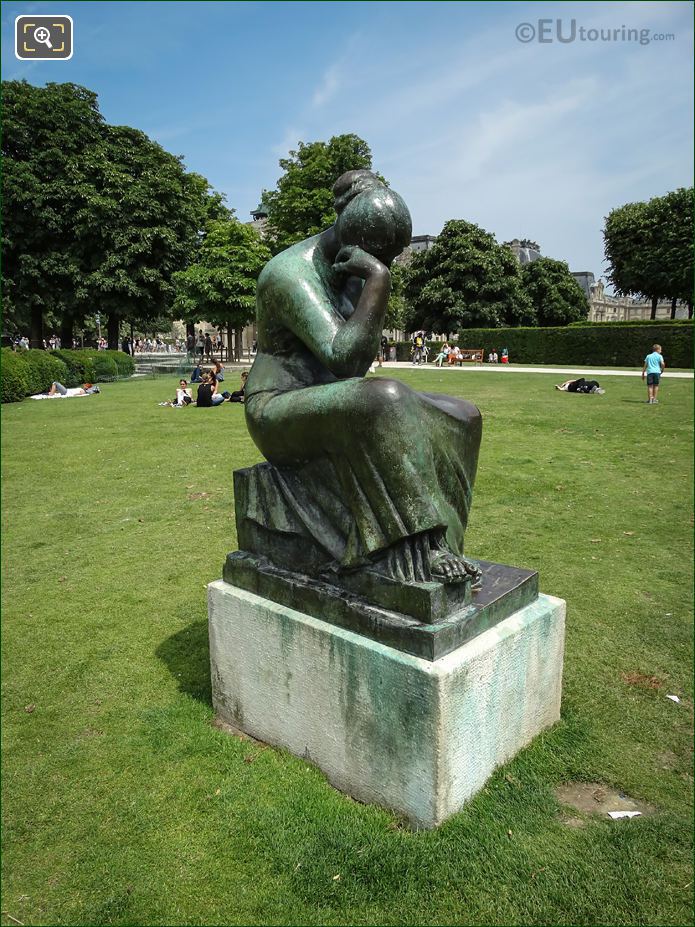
pixel 124 805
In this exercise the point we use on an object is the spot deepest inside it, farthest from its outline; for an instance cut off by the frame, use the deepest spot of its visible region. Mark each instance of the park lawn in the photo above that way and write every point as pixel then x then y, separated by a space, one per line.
pixel 123 804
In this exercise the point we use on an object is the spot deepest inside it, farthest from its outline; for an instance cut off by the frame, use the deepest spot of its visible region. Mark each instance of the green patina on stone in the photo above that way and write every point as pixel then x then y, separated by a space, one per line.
pixel 417 736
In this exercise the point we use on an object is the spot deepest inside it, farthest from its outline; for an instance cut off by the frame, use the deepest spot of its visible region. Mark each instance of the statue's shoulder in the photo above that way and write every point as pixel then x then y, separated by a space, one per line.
pixel 289 265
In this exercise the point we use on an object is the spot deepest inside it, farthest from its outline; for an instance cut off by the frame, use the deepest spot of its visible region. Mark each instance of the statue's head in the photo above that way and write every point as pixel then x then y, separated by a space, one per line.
pixel 371 216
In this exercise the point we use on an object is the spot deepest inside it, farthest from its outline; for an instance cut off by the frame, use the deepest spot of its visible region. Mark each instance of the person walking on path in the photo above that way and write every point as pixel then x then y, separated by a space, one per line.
pixel 652 369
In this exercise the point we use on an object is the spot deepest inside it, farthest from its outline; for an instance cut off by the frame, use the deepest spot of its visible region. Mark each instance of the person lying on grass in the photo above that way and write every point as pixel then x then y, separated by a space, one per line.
pixel 580 386
pixel 58 391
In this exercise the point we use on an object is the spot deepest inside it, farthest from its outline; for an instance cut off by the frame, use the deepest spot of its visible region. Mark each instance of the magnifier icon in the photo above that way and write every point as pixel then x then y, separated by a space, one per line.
pixel 42 34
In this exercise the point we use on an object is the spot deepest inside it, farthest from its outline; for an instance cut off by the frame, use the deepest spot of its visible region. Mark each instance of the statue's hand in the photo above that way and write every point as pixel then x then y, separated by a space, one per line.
pixel 353 260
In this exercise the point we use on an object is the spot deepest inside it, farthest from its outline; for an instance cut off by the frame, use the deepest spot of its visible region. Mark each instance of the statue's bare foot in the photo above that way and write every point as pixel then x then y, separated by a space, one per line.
pixel 449 568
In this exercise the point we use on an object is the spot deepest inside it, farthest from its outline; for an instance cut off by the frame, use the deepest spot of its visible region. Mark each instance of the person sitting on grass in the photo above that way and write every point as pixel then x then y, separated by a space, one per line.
pixel 183 396
pixel 238 394
pixel 197 375
pixel 218 370
pixel 207 392
pixel 580 386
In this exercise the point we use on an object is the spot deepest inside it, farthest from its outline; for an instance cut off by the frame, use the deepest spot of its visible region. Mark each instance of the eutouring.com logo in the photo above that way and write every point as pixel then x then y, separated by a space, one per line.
pixel 548 31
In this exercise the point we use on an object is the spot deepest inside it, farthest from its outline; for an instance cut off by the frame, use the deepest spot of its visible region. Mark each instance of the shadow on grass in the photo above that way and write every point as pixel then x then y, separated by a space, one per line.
pixel 638 402
pixel 187 657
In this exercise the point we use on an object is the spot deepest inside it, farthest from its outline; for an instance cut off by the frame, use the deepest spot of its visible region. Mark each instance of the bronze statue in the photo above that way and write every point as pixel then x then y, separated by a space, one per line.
pixel 366 476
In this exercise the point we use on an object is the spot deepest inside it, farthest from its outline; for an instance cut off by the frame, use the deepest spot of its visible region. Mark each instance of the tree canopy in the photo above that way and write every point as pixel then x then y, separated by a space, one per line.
pixel 149 213
pixel 555 295
pixel 220 286
pixel 466 280
pixel 673 221
pixel 46 133
pixel 302 203
pixel 97 217
pixel 648 248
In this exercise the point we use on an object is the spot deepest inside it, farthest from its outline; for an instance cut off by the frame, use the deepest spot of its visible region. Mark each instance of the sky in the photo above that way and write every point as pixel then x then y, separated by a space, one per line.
pixel 467 113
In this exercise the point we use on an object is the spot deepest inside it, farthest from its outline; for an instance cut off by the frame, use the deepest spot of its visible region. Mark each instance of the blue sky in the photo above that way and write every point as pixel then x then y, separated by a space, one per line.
pixel 536 140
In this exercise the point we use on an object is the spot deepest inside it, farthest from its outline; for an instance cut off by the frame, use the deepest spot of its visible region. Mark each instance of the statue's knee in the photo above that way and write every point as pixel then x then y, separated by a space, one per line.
pixel 385 396
pixel 474 415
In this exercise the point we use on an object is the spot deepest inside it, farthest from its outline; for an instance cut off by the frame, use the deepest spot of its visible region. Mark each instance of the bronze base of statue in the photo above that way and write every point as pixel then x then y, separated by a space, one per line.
pixel 390 596
pixel 504 590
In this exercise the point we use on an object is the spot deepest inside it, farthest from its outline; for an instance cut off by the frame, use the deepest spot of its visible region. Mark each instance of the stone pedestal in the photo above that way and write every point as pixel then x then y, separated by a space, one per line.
pixel 415 735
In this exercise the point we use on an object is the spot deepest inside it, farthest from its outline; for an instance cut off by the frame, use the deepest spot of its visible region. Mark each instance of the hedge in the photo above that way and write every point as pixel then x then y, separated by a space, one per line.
pixel 23 374
pixel 43 369
pixel 104 367
pixel 80 366
pixel 612 344
pixel 14 376
pixel 125 364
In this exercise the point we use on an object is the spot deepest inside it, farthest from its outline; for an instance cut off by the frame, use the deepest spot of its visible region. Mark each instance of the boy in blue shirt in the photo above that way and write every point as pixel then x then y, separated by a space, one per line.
pixel 653 368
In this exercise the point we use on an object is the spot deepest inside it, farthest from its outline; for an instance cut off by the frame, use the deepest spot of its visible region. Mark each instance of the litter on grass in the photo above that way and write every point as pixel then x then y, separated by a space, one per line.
pixel 674 698
pixel 623 814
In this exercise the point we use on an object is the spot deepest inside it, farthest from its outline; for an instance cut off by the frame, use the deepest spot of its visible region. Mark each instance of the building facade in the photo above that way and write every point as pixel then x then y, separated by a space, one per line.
pixel 605 308
pixel 602 307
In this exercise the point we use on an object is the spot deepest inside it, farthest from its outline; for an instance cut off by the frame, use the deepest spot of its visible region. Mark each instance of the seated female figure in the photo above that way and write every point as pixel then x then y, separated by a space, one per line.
pixel 381 475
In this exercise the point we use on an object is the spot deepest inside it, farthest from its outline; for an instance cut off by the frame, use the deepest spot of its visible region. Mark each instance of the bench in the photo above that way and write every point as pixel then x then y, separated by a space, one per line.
pixel 469 355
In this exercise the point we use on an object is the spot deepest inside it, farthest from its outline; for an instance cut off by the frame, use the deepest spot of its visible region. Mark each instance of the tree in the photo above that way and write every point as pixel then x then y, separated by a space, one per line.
pixel 672 217
pixel 97 217
pixel 221 285
pixel 396 311
pixel 555 295
pixel 302 203
pixel 648 248
pixel 47 133
pixel 465 280
pixel 137 226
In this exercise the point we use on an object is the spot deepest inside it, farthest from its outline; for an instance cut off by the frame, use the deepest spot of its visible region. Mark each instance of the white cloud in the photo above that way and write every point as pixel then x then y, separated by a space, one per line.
pixel 540 141
pixel 330 82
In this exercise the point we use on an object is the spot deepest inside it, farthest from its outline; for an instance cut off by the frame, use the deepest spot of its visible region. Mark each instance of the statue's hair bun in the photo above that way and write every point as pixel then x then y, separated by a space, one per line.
pixel 350 184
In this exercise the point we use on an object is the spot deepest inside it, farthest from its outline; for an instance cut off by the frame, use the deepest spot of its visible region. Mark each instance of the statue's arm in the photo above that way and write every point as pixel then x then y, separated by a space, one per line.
pixel 345 346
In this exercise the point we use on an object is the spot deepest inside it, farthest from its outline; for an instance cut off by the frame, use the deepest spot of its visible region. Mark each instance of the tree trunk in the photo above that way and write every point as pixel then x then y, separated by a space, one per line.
pixel 67 324
pixel 673 307
pixel 238 349
pixel 690 310
pixel 654 302
pixel 132 339
pixel 190 329
pixel 112 329
pixel 230 342
pixel 36 331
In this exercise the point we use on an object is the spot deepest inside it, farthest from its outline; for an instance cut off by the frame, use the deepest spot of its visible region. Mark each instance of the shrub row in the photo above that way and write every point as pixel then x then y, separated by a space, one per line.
pixel 619 344
pixel 27 372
